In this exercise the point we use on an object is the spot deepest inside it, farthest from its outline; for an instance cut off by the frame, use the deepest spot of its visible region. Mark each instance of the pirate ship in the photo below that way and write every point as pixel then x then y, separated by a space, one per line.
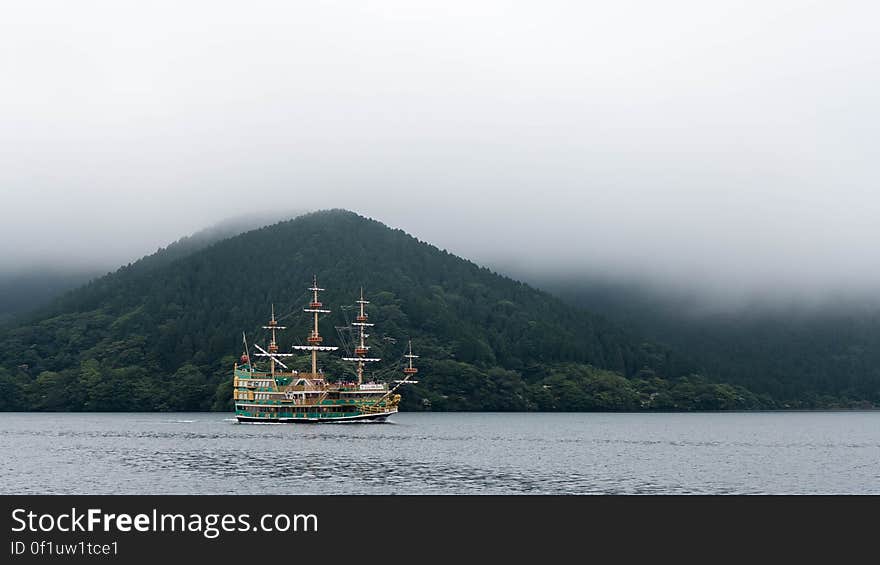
pixel 280 394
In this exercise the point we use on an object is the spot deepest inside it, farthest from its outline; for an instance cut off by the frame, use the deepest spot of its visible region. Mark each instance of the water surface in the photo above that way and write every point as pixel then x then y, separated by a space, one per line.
pixel 468 453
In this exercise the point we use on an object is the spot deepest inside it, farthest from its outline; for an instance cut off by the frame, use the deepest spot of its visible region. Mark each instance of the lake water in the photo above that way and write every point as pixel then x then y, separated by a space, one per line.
pixel 184 453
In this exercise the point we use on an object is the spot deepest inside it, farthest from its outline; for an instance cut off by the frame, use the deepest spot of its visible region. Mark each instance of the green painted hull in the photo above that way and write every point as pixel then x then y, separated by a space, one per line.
pixel 374 418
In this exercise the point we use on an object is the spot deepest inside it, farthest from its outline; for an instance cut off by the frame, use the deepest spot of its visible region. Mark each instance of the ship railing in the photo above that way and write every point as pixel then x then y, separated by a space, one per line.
pixel 299 388
pixel 301 375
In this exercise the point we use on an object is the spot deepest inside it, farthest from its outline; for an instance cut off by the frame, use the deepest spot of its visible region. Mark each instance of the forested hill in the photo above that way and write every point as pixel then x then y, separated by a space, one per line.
pixel 165 337
pixel 805 356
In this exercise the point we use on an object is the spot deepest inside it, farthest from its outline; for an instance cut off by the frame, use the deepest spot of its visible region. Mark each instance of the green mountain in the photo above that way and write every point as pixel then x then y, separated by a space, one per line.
pixel 163 333
pixel 823 355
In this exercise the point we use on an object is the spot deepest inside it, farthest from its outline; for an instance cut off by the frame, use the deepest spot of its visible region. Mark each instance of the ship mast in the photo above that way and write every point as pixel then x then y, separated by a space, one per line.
pixel 272 354
pixel 361 350
pixel 273 345
pixel 410 370
pixel 314 339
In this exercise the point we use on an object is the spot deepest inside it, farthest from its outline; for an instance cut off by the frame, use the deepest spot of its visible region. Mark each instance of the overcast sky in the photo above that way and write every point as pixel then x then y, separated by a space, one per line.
pixel 728 145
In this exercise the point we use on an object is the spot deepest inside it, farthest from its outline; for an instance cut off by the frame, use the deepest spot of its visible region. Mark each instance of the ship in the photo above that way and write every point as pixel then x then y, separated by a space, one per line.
pixel 279 394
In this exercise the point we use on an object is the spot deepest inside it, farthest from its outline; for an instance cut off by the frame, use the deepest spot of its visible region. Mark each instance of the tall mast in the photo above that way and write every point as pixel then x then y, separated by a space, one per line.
pixel 273 345
pixel 314 339
pixel 410 370
pixel 361 350
pixel 272 353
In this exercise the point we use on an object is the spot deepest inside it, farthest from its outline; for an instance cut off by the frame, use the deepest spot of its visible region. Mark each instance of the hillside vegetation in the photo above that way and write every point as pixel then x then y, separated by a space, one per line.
pixel 164 332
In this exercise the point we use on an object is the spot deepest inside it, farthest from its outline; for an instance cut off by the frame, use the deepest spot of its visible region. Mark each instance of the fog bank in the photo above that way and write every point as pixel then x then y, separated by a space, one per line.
pixel 724 146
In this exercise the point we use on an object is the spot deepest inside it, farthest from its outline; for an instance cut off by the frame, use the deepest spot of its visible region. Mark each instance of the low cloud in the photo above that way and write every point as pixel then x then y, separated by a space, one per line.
pixel 728 148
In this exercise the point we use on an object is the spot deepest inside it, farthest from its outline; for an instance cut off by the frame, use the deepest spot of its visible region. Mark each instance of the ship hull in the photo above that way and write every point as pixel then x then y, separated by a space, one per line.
pixel 372 418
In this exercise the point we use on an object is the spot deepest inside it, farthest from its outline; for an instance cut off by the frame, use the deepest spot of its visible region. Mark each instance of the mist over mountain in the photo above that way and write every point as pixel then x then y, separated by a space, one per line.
pixel 28 286
pixel 721 148
pixel 21 292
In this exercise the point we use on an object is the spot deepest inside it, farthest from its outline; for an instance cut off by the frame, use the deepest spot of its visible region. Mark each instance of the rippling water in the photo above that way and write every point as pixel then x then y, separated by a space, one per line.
pixel 815 452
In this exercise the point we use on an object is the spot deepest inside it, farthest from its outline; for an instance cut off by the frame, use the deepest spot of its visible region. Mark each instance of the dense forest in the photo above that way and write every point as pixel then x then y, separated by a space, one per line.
pixel 804 355
pixel 163 333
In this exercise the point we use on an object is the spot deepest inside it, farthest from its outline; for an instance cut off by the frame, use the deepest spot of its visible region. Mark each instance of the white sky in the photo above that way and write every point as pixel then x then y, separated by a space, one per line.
pixel 729 145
